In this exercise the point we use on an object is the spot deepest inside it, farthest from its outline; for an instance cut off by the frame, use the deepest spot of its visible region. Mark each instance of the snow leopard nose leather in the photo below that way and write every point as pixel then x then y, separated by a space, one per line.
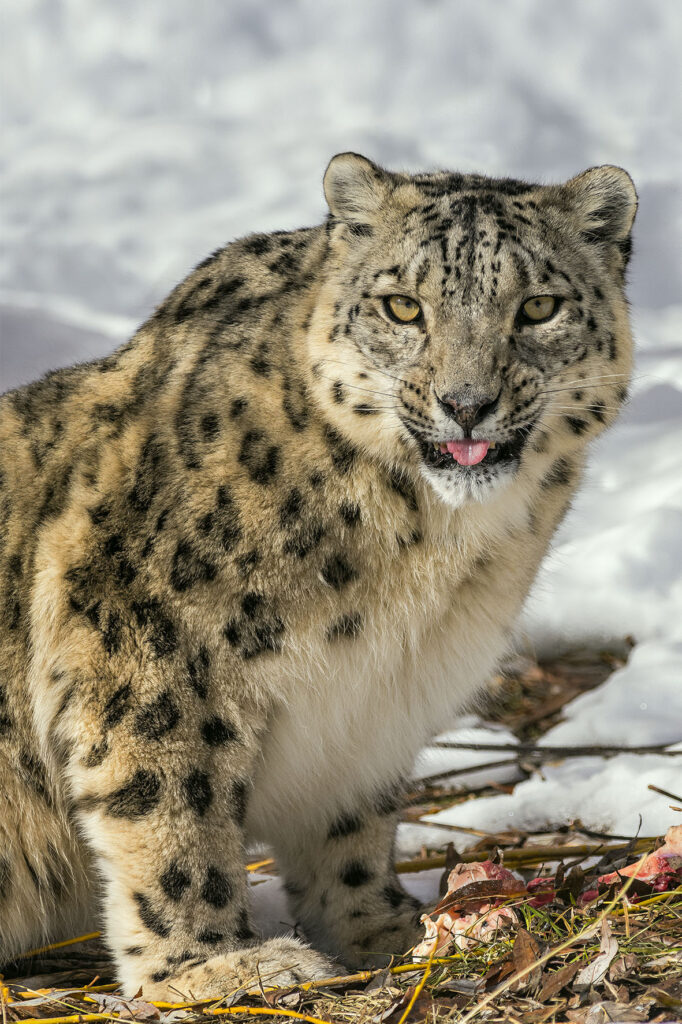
pixel 467 409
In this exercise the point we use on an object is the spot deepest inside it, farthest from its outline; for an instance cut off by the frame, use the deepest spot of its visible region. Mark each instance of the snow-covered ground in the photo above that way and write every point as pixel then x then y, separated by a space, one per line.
pixel 138 137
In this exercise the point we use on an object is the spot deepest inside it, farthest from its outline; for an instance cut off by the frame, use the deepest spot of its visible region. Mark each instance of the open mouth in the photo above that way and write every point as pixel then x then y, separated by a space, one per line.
pixel 471 452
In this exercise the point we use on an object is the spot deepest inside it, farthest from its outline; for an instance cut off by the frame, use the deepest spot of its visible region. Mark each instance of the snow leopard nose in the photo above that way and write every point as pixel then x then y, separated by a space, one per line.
pixel 468 408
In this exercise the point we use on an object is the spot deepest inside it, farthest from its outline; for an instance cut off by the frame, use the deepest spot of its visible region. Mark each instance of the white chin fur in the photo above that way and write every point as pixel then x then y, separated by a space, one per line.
pixel 456 489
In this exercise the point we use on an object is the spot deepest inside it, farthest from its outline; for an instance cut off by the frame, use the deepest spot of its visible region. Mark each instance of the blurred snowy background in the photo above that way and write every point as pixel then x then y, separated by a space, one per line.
pixel 137 137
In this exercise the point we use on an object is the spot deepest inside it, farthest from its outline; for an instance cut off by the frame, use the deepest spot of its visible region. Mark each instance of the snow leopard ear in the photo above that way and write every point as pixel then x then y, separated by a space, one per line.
pixel 355 188
pixel 605 200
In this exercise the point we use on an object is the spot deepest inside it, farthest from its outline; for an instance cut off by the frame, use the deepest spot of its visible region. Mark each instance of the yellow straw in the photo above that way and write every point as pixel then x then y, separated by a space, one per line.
pixel 58 945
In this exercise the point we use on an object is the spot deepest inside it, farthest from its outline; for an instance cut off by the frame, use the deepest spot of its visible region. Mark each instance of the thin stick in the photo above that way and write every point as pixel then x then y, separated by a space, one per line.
pixel 657 898
pixel 252 1010
pixel 664 792
pixel 268 1011
pixel 575 751
pixel 526 855
pixel 268 862
pixel 75 1019
pixel 85 991
pixel 506 762
pixel 58 945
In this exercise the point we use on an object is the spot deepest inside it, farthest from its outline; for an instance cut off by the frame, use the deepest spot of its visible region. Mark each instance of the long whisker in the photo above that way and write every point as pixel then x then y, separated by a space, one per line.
pixel 385 373
pixel 595 376
pixel 571 410
pixel 580 406
pixel 374 369
pixel 579 387
pixel 538 421
pixel 610 378
pixel 586 381
pixel 551 429
pixel 556 409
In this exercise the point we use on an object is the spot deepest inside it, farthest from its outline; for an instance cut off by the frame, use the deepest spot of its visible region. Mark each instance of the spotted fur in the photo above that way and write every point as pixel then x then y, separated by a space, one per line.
pixel 239 592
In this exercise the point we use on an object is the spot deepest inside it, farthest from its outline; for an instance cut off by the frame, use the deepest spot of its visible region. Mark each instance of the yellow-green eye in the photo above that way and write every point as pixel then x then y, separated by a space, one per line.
pixel 540 307
pixel 402 309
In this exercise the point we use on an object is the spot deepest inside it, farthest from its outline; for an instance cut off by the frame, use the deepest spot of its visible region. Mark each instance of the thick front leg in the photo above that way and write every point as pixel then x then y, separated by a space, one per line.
pixel 343 886
pixel 161 797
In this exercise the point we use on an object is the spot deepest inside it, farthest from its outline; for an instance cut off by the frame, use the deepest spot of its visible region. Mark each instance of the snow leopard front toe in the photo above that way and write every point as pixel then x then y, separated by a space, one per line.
pixel 277 963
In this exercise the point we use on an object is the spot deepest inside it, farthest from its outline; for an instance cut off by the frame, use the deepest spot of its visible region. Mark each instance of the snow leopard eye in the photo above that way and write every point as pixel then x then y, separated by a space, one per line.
pixel 402 309
pixel 539 308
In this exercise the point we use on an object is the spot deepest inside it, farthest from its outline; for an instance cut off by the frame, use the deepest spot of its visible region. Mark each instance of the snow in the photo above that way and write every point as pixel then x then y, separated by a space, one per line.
pixel 610 795
pixel 627 708
pixel 139 137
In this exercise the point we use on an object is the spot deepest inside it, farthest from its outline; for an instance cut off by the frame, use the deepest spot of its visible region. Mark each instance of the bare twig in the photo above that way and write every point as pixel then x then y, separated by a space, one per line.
pixel 535 754
pixel 539 750
pixel 58 945
pixel 452 773
pixel 664 792
pixel 527 855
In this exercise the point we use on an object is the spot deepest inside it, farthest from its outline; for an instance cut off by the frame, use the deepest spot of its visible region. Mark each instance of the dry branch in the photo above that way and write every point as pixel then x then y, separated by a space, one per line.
pixel 540 750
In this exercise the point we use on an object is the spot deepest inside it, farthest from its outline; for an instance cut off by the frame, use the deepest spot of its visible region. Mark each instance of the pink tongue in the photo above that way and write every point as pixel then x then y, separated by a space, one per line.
pixel 468 453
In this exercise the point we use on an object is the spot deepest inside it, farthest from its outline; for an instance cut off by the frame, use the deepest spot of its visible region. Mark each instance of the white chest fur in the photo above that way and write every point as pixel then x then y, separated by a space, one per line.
pixel 359 711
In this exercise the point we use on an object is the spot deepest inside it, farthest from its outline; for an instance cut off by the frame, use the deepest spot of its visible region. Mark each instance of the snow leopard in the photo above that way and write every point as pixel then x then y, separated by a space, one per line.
pixel 252 561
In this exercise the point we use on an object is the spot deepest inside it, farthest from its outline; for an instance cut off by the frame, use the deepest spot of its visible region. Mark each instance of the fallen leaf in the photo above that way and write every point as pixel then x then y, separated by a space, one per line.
pixel 497 973
pixel 666 993
pixel 393 1008
pixel 623 967
pixel 387 1012
pixel 578 1016
pixel 571 885
pixel 127 1009
pixel 460 986
pixel 554 982
pixel 525 952
pixel 604 1013
pixel 479 891
pixel 291 998
pixel 594 972
pixel 382 980
pixel 667 960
